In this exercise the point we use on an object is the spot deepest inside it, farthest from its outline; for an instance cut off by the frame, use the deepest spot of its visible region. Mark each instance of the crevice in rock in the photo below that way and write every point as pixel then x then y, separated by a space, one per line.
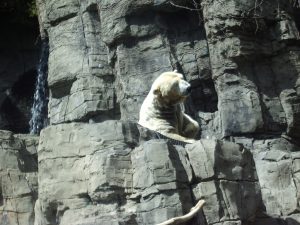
pixel 86 197
pixel 204 96
pixel 1 196
pixel 63 18
pixel 181 176
pixel 27 162
pixel 53 214
pixel 61 89
pixel 297 16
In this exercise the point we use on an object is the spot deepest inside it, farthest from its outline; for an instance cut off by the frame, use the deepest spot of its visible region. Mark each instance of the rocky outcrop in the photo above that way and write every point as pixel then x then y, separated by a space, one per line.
pixel 112 178
pixel 18 178
pixel 106 180
pixel 105 61
pixel 96 166
pixel 111 55
pixel 255 68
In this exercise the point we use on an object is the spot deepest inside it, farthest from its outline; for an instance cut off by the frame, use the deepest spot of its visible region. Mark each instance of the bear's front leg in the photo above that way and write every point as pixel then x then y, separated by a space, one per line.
pixel 190 127
pixel 179 138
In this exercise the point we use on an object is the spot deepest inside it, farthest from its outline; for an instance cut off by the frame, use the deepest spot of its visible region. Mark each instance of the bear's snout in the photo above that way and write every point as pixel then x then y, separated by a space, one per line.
pixel 185 88
pixel 189 89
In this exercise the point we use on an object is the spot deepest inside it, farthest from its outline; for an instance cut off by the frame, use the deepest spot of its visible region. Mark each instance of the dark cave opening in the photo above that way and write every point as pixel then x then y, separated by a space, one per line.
pixel 19 56
pixel 204 96
pixel 297 17
pixel 24 87
pixel 16 108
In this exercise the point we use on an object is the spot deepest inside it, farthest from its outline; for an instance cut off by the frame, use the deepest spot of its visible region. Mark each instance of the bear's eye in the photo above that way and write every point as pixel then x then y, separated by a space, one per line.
pixel 175 83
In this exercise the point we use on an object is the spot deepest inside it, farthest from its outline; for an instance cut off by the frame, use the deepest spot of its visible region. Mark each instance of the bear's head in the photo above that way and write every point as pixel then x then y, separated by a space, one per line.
pixel 170 88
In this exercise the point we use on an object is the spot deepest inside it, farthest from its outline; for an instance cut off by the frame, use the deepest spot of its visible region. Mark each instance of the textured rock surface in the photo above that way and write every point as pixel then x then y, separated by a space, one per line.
pixel 105 54
pixel 103 175
pixel 256 69
pixel 97 167
pixel 18 178
pixel 111 55
pixel 105 178
pixel 242 59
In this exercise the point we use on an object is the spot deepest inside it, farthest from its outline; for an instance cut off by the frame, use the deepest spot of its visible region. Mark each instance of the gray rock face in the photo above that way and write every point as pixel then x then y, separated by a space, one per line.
pixel 249 73
pixel 146 184
pixel 227 181
pixel 99 174
pixel 111 55
pixel 18 178
pixel 105 56
pixel 81 85
pixel 277 172
pixel 242 59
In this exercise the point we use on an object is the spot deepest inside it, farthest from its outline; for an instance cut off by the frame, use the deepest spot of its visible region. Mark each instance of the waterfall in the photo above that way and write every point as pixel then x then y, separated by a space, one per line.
pixel 39 108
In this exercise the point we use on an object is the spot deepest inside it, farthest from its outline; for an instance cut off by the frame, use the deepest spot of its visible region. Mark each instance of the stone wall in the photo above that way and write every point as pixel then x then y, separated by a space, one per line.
pixel 96 166
pixel 18 178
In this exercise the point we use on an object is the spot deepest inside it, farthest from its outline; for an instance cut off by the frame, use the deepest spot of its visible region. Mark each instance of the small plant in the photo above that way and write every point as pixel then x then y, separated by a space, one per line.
pixel 23 11
pixel 24 7
pixel 31 8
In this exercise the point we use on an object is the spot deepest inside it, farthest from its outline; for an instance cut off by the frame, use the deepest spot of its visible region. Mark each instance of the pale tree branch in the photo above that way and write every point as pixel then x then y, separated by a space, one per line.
pixel 186 217
pixel 183 7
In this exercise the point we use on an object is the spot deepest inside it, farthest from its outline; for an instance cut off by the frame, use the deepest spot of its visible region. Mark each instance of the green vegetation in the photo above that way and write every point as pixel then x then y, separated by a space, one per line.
pixel 18 11
pixel 26 8
pixel 31 10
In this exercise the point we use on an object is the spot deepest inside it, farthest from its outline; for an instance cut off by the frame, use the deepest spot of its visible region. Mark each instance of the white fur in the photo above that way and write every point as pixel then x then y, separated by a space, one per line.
pixel 162 110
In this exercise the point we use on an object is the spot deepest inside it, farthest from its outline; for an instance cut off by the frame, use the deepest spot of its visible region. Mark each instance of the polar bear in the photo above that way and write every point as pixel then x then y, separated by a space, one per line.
pixel 162 110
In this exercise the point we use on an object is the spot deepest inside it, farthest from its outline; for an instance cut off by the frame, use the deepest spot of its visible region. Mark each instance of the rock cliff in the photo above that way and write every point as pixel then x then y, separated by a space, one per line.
pixel 95 165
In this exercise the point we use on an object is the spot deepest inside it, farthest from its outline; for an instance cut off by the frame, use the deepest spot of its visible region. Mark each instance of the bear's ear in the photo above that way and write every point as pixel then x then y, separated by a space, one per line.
pixel 156 91
pixel 164 90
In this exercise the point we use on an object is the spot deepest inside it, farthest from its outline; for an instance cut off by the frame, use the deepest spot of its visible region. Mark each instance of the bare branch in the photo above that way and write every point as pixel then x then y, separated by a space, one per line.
pixel 183 7
pixel 186 217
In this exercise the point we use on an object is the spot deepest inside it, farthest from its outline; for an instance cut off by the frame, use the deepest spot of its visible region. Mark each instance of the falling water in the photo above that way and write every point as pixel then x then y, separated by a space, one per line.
pixel 39 108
